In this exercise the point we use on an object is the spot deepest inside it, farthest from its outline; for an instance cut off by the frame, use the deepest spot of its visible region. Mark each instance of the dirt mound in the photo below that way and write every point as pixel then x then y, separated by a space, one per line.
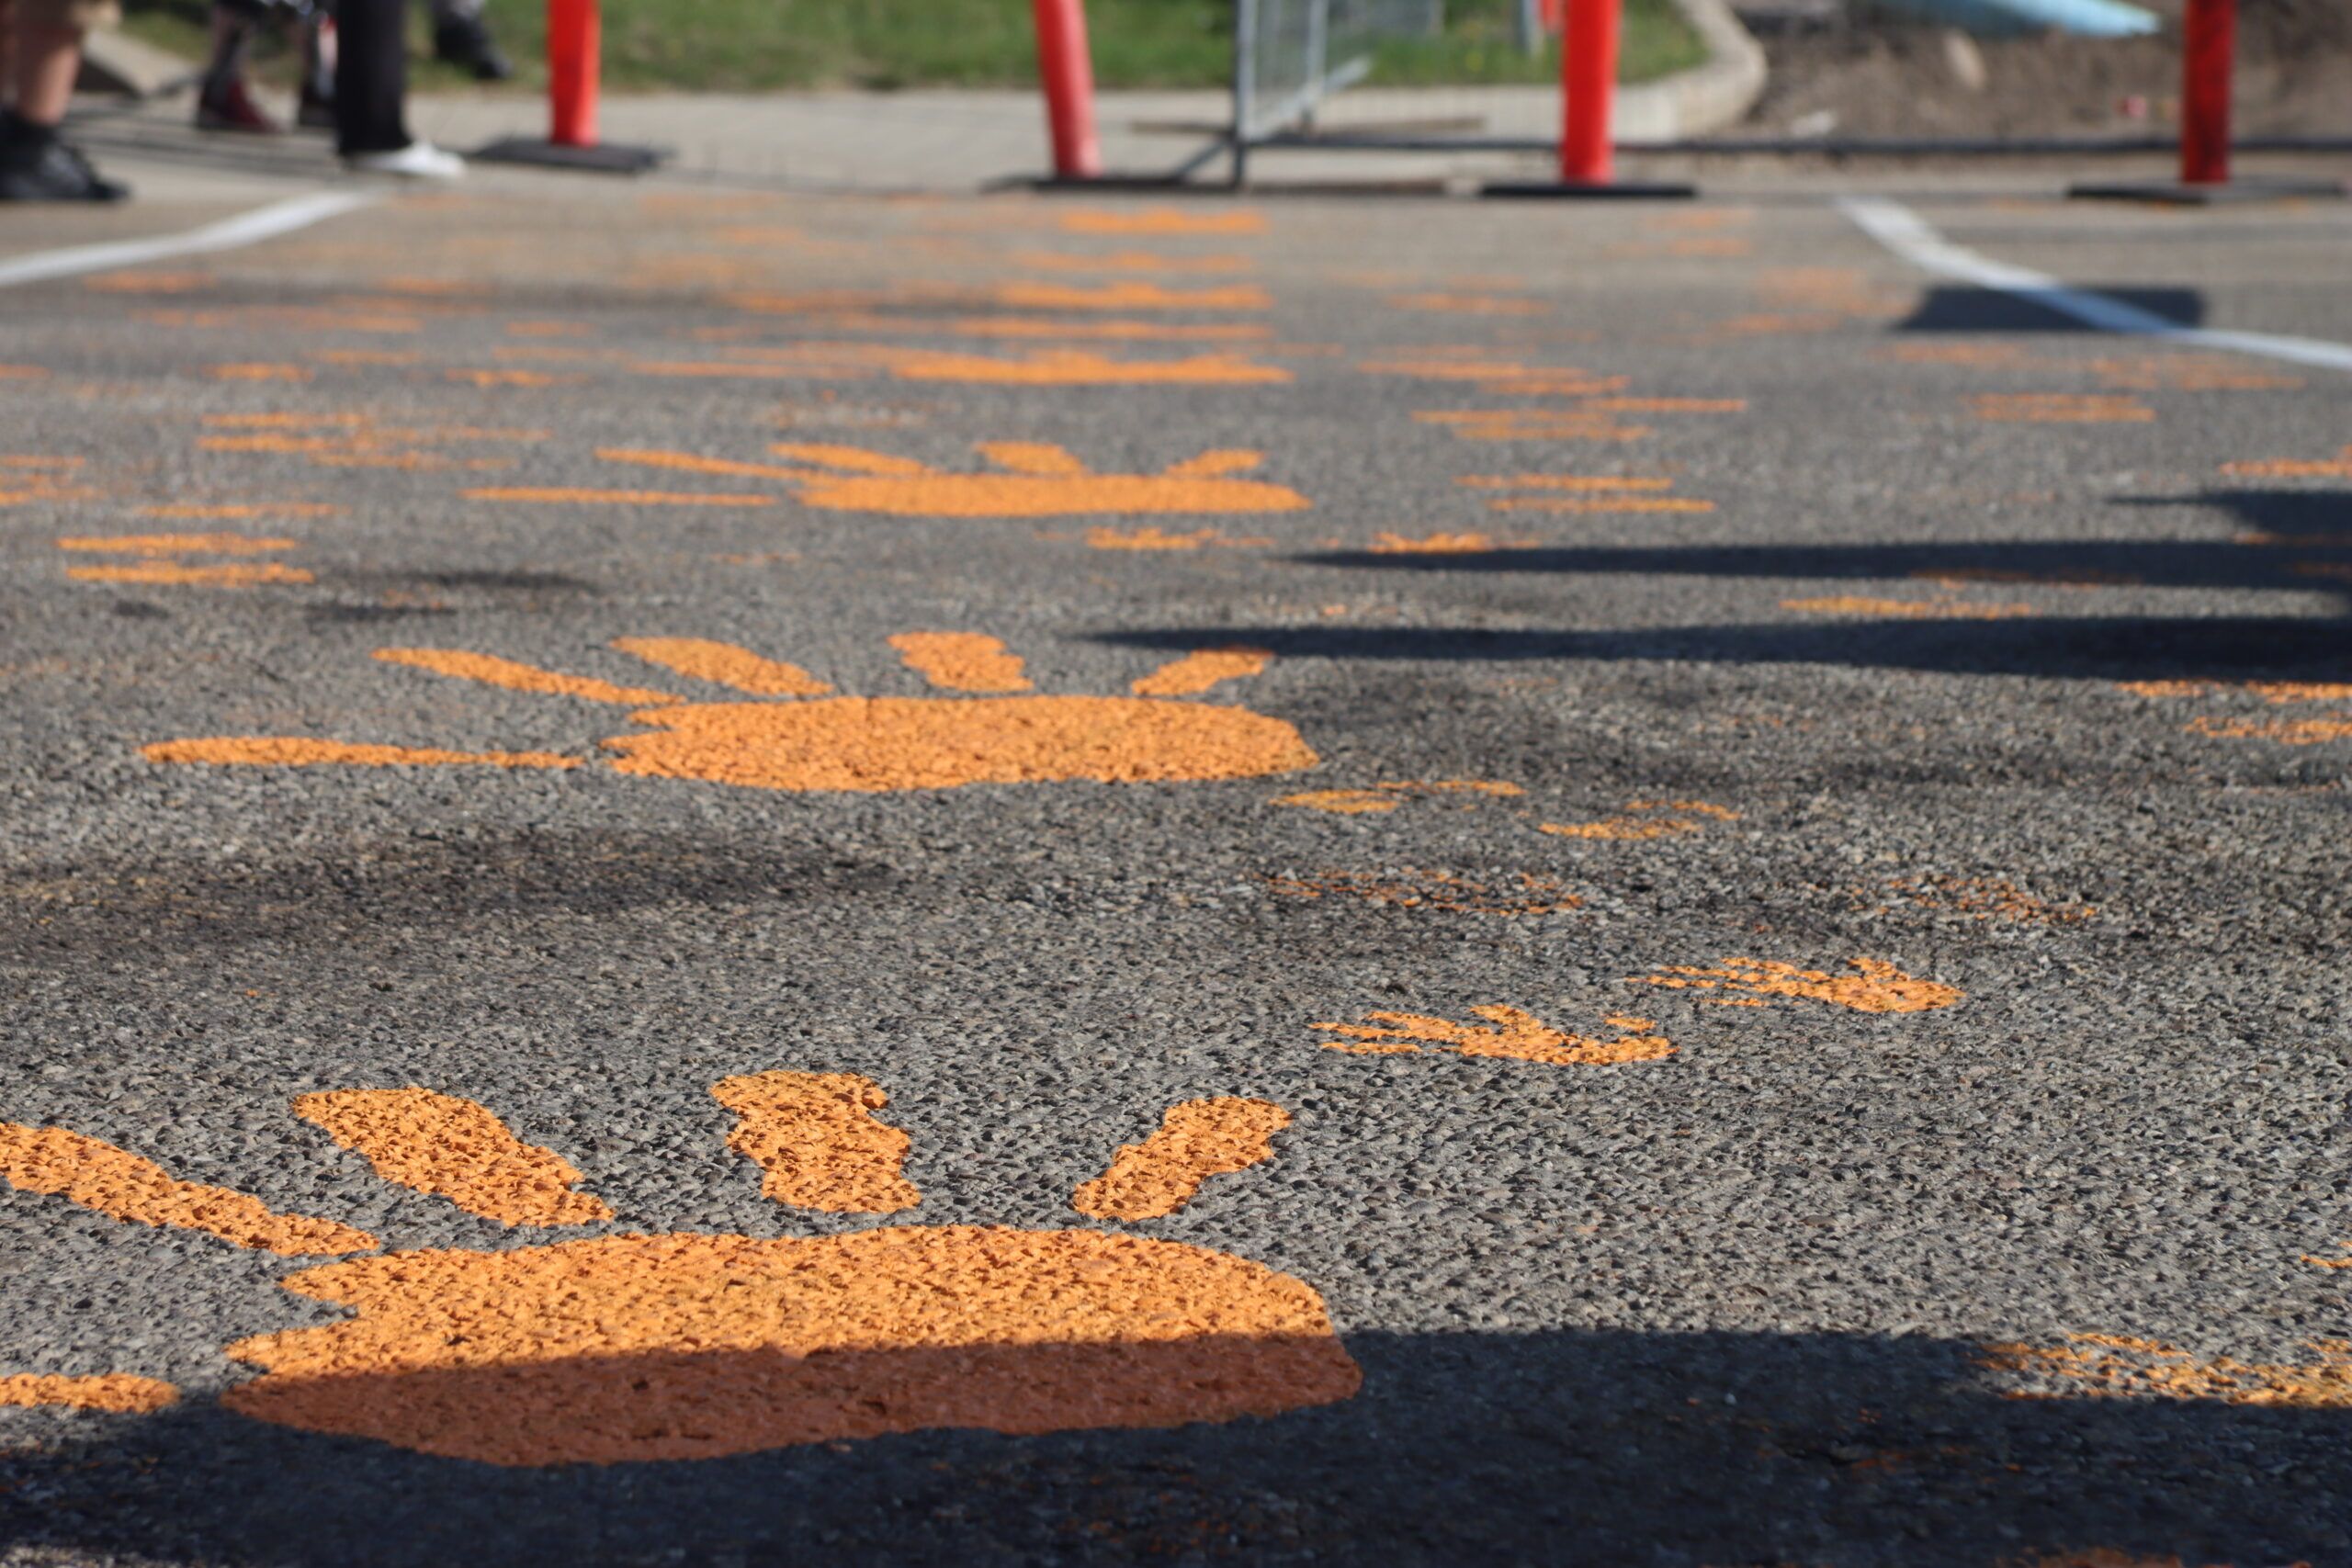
pixel 1871 74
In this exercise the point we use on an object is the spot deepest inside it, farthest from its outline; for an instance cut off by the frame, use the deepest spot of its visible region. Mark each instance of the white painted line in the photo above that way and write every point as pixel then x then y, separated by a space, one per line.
pixel 245 229
pixel 1905 233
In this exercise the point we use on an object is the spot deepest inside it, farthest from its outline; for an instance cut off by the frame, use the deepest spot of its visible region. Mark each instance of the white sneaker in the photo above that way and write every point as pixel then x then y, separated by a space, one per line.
pixel 417 160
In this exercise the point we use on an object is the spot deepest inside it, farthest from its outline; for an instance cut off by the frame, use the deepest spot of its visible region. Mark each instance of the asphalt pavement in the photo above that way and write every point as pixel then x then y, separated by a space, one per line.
pixel 708 875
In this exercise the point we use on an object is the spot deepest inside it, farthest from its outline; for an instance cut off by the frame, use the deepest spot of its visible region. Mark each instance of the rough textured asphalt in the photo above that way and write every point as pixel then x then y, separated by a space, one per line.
pixel 1741 1305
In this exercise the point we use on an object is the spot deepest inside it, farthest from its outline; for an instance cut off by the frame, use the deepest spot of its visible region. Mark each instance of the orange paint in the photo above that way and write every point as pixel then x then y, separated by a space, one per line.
pixel 1611 503
pixel 148 282
pixel 455 1149
pixel 1195 1140
pixel 724 664
pixel 1148 539
pixel 1129 297
pixel 2343 1262
pixel 2107 1366
pixel 1906 609
pixel 2285 732
pixel 117 1393
pixel 1197 672
pixel 1345 802
pixel 173 573
pixel 2337 468
pixel 122 1186
pixel 817 1137
pixel 1665 405
pixel 634 1348
pixel 1072 367
pixel 258 373
pixel 296 751
pixel 1646 819
pixel 1163 221
pixel 2058 408
pixel 1469 304
pixel 962 661
pixel 492 671
pixel 1986 898
pixel 855 743
pixel 1588 422
pixel 1129 261
pixel 1040 481
pixel 487 378
pixel 1436 890
pixel 1502 378
pixel 1509 1033
pixel 1441 544
pixel 1878 987
pixel 868 744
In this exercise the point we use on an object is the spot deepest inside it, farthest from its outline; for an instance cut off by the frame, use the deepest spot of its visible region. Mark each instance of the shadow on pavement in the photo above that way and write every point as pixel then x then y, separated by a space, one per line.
pixel 1961 309
pixel 2120 648
pixel 1602 1448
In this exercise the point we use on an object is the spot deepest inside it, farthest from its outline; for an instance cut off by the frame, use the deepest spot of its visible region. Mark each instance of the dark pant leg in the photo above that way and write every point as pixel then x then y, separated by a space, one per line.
pixel 371 76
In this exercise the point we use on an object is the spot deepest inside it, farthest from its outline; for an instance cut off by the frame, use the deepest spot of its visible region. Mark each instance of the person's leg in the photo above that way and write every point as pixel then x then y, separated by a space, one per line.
pixel 225 100
pixel 370 76
pixel 370 87
pixel 36 163
pixel 461 36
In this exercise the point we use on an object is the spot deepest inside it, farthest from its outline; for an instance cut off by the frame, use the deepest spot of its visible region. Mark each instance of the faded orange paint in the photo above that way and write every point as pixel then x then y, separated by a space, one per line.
pixel 2343 1262
pixel 1501 376
pixel 1345 802
pixel 1164 221
pixel 297 751
pixel 819 1141
pixel 111 1181
pixel 2338 467
pixel 1130 261
pixel 119 1393
pixel 177 543
pixel 634 1348
pixel 2107 1366
pixel 1197 672
pixel 1443 891
pixel 962 661
pixel 148 282
pixel 173 573
pixel 258 373
pixel 1665 405
pixel 1646 819
pixel 1072 367
pixel 1586 421
pixel 492 671
pixel 1129 297
pixel 527 378
pixel 1195 1140
pixel 1983 898
pixel 1877 987
pixel 1469 304
pixel 455 1149
pixel 1148 539
pixel 2284 731
pixel 2058 408
pixel 1509 1033
pixel 1907 609
pixel 724 664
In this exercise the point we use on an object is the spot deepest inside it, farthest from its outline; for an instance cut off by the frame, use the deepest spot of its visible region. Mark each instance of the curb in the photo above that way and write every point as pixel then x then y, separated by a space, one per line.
pixel 1705 98
pixel 113 62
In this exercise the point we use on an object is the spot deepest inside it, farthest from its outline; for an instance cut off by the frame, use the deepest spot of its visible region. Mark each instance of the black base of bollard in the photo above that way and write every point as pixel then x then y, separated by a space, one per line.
pixel 2237 193
pixel 1613 190
pixel 605 158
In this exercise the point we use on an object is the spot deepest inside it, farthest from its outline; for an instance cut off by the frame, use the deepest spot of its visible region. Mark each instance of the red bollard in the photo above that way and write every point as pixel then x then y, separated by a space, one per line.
pixel 1066 68
pixel 575 66
pixel 1588 90
pixel 2209 49
pixel 575 48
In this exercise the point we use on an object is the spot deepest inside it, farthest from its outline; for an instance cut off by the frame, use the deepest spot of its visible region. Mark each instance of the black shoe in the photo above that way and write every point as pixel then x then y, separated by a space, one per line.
pixel 41 166
pixel 463 41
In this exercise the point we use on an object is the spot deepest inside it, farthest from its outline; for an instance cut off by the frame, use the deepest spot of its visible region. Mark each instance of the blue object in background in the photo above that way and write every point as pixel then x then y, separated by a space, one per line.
pixel 2085 18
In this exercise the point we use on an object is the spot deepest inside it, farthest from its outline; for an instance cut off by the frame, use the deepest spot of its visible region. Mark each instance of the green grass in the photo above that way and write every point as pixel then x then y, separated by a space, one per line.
pixel 766 45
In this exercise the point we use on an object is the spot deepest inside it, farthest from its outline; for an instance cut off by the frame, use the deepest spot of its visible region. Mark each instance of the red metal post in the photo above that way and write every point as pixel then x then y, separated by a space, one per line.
pixel 1066 67
pixel 2209 48
pixel 575 46
pixel 1588 87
